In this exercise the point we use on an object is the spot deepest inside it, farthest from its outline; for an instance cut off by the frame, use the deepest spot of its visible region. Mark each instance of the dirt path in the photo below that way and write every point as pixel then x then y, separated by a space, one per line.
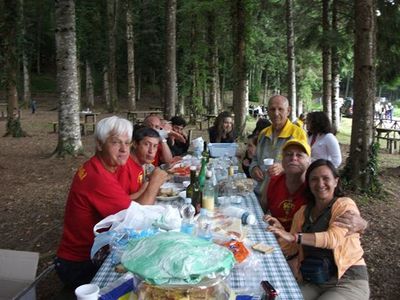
pixel 33 191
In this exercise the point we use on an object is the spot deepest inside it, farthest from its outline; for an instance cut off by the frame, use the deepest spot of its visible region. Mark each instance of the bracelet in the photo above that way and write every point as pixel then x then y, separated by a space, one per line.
pixel 299 237
pixel 164 140
pixel 295 237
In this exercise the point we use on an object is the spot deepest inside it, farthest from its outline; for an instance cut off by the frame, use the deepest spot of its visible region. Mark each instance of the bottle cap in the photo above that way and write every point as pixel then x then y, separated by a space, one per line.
pixel 192 168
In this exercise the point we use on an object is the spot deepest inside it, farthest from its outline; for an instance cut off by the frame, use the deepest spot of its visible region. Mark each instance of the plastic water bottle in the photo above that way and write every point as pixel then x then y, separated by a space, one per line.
pixel 237 212
pixel 187 213
pixel 204 225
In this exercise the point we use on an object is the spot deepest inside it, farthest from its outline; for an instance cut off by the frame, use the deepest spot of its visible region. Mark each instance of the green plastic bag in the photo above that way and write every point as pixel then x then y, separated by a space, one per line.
pixel 176 258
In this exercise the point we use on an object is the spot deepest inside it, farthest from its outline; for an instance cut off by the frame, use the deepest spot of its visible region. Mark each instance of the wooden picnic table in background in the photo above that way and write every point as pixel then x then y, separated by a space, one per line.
pixel 205 118
pixel 87 122
pixel 137 116
pixel 390 135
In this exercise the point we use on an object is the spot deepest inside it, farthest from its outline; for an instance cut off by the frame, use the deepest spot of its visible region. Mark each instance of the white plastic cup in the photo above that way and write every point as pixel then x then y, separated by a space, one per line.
pixel 87 292
pixel 268 162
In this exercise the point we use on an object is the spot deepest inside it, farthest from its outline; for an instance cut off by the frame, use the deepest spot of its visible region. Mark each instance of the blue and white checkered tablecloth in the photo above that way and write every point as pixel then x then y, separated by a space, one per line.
pixel 272 267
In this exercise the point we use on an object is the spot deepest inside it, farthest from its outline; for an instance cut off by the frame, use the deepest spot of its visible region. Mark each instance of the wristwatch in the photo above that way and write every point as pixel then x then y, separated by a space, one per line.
pixel 299 236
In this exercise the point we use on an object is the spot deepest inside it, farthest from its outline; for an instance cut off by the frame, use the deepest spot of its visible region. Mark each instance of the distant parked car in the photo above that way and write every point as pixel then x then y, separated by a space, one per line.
pixel 347 107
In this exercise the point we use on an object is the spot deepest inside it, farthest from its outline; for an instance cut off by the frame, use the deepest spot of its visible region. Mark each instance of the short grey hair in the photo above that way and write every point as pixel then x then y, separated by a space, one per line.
pixel 112 125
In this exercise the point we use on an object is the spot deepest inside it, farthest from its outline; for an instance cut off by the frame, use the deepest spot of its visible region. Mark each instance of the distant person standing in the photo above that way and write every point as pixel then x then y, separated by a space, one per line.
pixel 272 139
pixel 390 111
pixel 33 106
pixel 321 139
pixel 301 120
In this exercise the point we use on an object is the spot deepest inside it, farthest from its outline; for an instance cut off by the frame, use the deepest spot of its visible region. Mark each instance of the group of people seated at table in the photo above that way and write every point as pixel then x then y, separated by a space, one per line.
pixel 317 227
pixel 300 194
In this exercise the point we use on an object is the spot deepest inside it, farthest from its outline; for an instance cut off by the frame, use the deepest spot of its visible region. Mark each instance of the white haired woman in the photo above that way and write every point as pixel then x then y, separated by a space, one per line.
pixel 95 193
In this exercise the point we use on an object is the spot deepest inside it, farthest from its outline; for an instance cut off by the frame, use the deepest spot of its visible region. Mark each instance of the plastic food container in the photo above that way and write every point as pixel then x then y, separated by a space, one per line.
pixel 221 149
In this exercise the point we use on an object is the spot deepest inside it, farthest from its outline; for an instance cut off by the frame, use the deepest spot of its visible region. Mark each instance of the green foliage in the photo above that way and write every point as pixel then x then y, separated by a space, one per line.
pixel 388 42
pixel 371 171
pixel 43 83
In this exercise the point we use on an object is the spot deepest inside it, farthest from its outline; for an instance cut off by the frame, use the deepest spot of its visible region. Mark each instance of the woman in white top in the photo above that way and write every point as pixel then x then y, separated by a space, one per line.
pixel 321 139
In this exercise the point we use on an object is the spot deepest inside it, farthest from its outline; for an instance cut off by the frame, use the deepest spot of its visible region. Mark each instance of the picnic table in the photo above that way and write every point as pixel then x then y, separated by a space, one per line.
pixel 88 121
pixel 273 267
pixel 137 116
pixel 208 118
pixel 390 135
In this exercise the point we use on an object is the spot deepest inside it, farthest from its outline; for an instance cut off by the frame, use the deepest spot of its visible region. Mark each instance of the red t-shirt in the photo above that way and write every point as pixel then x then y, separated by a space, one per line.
pixel 95 193
pixel 132 180
pixel 281 203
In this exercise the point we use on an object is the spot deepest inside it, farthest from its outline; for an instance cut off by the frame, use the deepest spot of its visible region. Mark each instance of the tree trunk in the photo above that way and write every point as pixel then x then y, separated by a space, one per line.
pixel 131 57
pixel 221 102
pixel 213 64
pixel 362 173
pixel 10 63
pixel 181 106
pixel 335 71
pixel 346 93
pixel 39 18
pixel 291 59
pixel 170 64
pixel 139 86
pixel 265 93
pixel 25 64
pixel 326 61
pixel 112 9
pixel 106 89
pixel 239 64
pixel 89 86
pixel 69 138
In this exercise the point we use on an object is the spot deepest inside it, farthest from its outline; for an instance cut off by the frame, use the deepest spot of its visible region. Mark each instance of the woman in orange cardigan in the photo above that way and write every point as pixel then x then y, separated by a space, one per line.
pixel 327 261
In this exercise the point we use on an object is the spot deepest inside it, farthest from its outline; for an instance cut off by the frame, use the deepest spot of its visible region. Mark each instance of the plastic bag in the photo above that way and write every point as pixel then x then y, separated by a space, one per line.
pixel 136 221
pixel 251 267
pixel 141 217
pixel 176 258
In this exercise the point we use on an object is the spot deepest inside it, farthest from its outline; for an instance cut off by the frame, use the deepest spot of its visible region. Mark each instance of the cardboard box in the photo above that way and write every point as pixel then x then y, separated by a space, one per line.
pixel 17 272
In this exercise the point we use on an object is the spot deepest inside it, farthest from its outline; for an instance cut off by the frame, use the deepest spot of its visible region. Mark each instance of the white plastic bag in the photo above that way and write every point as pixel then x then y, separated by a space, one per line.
pixel 137 217
pixel 141 217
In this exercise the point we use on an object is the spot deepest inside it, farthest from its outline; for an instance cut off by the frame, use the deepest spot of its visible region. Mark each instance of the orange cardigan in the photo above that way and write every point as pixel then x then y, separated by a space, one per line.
pixel 347 251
